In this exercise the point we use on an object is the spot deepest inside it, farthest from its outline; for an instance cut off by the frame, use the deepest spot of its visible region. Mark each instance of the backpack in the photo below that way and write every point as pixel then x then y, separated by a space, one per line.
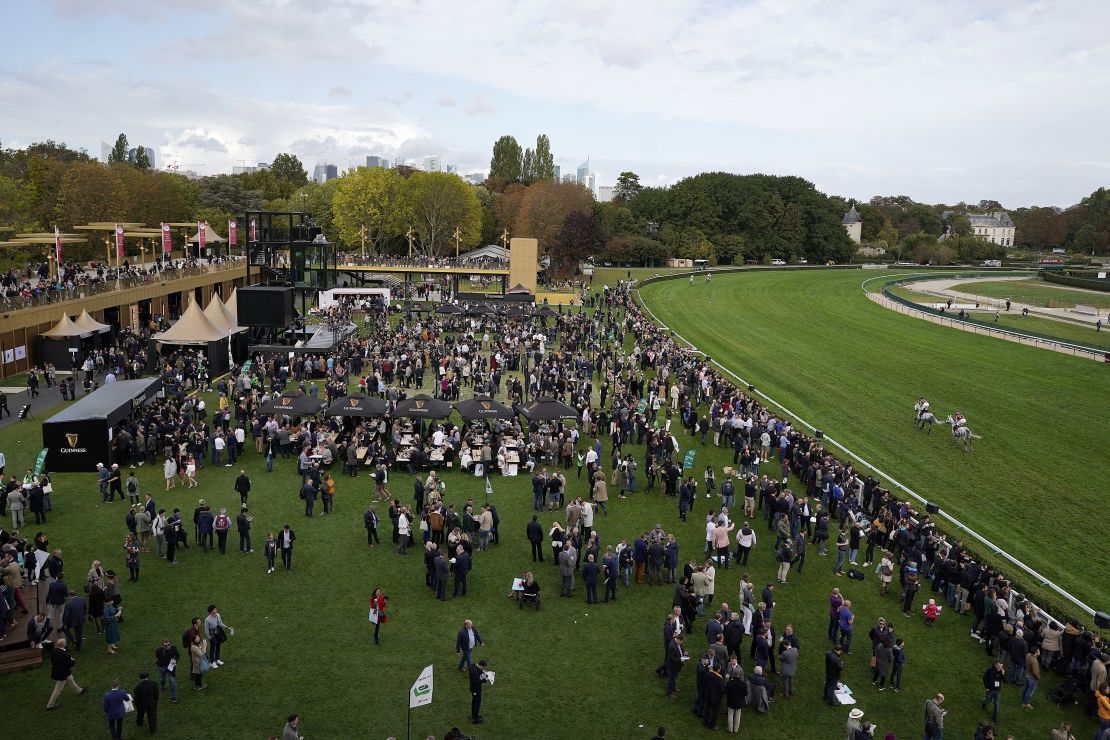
pixel 133 486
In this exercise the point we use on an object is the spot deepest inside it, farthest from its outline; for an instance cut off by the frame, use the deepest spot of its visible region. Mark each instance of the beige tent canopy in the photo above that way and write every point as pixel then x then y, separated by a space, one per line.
pixel 65 329
pixel 232 305
pixel 87 323
pixel 210 236
pixel 220 317
pixel 192 328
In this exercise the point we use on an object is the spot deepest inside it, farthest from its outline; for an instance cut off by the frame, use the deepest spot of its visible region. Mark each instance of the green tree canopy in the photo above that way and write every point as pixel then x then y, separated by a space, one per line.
pixel 119 151
pixel 371 202
pixel 507 160
pixel 628 187
pixel 288 167
pixel 442 201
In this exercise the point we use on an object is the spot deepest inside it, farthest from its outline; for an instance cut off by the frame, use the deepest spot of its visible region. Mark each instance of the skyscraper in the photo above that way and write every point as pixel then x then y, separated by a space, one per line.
pixel 375 161
pixel 433 163
pixel 583 174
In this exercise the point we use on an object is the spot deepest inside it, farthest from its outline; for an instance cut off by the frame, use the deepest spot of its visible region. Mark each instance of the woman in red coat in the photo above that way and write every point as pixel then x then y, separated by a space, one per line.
pixel 377 611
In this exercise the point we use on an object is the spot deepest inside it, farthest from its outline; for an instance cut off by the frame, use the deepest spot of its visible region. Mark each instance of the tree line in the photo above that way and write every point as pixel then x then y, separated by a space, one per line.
pixel 717 216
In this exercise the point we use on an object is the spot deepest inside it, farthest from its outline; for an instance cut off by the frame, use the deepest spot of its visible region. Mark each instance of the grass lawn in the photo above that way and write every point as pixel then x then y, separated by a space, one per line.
pixel 1036 293
pixel 1063 330
pixel 303 643
pixel 813 342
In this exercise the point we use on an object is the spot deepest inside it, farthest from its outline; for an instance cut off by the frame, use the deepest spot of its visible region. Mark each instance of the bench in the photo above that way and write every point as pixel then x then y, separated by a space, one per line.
pixel 17 660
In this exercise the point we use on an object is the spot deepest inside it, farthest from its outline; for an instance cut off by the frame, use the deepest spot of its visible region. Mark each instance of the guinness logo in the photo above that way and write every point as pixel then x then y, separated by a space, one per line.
pixel 354 402
pixel 286 401
pixel 419 404
pixel 487 405
pixel 72 439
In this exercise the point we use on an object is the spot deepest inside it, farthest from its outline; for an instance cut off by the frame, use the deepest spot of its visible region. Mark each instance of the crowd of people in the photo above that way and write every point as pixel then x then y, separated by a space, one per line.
pixel 647 395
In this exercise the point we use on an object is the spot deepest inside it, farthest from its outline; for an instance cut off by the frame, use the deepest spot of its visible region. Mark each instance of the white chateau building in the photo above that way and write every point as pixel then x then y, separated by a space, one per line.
pixel 994 227
pixel 853 224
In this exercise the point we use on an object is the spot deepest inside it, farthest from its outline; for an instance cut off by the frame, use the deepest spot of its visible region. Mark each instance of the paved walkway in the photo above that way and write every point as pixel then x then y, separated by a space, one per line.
pixel 945 289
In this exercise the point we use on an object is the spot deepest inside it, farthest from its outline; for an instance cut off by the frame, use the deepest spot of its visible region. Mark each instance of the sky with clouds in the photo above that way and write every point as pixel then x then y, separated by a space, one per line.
pixel 944 101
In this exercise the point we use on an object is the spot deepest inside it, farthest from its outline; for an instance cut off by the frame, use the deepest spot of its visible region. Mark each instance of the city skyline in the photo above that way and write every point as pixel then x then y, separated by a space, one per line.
pixel 860 98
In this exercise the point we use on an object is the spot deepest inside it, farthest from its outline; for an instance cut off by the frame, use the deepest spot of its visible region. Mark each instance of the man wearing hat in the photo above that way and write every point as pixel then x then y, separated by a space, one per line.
pixel 145 694
pixel 115 484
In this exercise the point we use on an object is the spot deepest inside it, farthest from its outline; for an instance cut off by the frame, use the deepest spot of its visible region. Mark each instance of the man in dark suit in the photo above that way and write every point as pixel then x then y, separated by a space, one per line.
pixel 465 641
pixel 535 537
pixel 477 678
pixel 56 597
pixel 442 573
pixel 61 672
pixel 461 568
pixel 74 615
pixel 286 538
pixel 243 487
pixel 370 520
pixel 675 653
pixel 146 701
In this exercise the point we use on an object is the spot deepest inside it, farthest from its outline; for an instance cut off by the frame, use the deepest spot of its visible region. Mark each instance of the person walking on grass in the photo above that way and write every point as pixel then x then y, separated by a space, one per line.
pixel 466 640
pixel 934 718
pixel 114 709
pixel 377 611
pixel 61 672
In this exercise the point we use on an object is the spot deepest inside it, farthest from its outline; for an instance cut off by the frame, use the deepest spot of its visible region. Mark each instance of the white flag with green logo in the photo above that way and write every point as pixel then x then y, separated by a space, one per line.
pixel 421 691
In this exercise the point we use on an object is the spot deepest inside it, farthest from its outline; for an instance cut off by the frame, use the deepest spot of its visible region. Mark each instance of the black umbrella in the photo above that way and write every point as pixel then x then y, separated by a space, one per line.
pixel 292 403
pixel 517 311
pixel 482 407
pixel 448 308
pixel 546 312
pixel 480 310
pixel 422 407
pixel 358 404
pixel 547 409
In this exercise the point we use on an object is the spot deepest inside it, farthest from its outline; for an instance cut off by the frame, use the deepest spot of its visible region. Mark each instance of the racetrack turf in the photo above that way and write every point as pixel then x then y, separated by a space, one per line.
pixel 1036 480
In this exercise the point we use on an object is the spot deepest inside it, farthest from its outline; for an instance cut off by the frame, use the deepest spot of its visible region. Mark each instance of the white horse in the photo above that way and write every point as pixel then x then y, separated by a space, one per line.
pixel 961 434
pixel 926 420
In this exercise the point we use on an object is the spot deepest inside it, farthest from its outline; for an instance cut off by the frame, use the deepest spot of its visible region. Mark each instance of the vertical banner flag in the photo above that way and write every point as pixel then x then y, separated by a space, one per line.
pixel 421 691
pixel 58 248
pixel 167 239
pixel 254 230
pixel 201 236
pixel 119 241
pixel 232 228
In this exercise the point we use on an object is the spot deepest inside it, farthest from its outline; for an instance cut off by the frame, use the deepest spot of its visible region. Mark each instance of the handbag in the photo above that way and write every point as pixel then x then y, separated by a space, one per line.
pixel 874 661
pixel 373 616
pixel 129 704
pixel 204 664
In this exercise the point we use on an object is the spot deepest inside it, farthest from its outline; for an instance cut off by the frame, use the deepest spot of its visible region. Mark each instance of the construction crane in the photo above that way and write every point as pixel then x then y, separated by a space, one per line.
pixel 175 165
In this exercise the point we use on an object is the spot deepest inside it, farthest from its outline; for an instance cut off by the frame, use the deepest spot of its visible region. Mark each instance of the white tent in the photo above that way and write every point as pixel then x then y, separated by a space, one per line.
pixel 232 305
pixel 87 323
pixel 220 316
pixel 192 328
pixel 65 328
pixel 210 236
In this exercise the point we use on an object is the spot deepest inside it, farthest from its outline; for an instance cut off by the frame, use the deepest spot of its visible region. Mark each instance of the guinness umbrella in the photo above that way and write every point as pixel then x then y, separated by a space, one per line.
pixel 448 308
pixel 292 403
pixel 358 404
pixel 422 407
pixel 517 311
pixel 479 310
pixel 483 407
pixel 546 312
pixel 547 409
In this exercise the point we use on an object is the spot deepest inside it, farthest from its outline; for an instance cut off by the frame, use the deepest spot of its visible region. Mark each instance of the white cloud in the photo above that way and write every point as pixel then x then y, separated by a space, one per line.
pixel 338 91
pixel 479 104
